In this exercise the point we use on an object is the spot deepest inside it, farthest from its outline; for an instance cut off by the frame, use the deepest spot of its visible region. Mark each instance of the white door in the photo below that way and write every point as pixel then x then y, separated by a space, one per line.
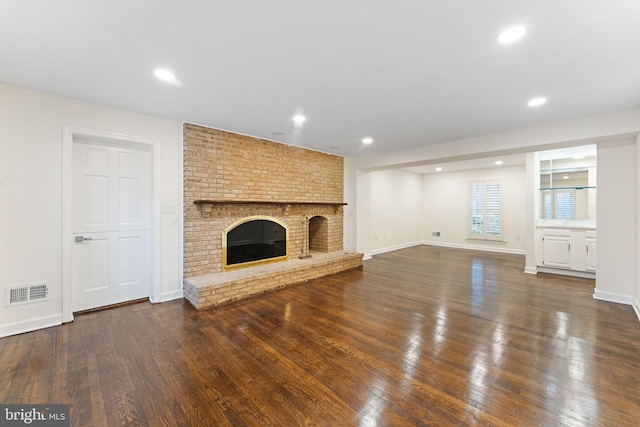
pixel 111 211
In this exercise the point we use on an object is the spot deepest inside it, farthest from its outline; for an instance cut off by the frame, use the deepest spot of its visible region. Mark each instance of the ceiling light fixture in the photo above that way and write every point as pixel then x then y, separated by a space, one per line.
pixel 299 118
pixel 438 169
pixel 511 35
pixel 536 102
pixel 498 162
pixel 367 140
pixel 565 177
pixel 168 77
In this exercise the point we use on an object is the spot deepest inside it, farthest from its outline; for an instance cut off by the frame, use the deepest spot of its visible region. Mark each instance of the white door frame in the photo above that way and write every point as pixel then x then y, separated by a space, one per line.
pixel 69 133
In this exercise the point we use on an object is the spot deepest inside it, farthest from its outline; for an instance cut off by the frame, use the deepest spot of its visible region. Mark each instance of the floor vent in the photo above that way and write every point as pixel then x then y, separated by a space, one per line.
pixel 25 294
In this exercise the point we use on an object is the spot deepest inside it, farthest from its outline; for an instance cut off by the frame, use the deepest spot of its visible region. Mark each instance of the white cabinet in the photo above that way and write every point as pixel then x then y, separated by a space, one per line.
pixel 556 251
pixel 569 249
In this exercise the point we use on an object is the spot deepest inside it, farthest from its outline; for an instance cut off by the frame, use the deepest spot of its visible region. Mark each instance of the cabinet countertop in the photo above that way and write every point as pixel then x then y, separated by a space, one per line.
pixel 585 224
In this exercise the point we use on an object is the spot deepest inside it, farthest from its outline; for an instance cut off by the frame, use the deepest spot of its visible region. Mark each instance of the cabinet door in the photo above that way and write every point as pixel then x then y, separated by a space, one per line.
pixel 591 254
pixel 557 251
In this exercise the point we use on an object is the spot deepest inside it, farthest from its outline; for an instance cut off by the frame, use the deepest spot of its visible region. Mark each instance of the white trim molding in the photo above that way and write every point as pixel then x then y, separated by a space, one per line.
pixel 30 325
pixel 613 297
pixel 564 272
pixel 636 307
pixel 531 270
pixel 395 248
pixel 476 247
pixel 170 296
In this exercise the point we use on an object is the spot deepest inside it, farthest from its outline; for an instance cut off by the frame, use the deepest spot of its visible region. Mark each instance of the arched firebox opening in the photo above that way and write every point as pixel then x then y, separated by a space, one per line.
pixel 319 234
pixel 254 240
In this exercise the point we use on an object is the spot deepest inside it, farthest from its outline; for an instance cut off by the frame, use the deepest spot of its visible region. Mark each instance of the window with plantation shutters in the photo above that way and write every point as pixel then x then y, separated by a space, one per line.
pixel 559 204
pixel 564 206
pixel 485 210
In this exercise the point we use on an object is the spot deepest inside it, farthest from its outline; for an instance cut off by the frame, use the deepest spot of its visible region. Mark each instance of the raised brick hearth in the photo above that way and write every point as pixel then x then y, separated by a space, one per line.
pixel 217 288
pixel 229 178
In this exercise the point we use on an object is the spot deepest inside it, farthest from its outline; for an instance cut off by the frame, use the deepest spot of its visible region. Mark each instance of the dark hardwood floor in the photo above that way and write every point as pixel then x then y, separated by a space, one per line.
pixel 420 336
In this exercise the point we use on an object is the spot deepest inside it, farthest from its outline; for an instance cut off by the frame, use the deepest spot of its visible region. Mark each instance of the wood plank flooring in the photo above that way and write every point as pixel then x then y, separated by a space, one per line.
pixel 420 336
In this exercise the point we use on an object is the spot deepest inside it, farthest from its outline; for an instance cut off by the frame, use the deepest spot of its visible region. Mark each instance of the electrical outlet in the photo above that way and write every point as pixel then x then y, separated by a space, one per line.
pixel 435 234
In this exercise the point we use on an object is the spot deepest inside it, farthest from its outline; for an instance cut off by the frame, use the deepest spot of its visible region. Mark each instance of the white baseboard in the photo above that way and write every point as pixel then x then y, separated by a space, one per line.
pixel 613 297
pixel 531 270
pixel 170 296
pixel 394 248
pixel 30 325
pixel 563 272
pixel 367 256
pixel 636 307
pixel 475 247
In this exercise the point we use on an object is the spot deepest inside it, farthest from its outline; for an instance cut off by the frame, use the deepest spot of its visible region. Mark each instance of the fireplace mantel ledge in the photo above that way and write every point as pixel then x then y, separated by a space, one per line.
pixel 206 205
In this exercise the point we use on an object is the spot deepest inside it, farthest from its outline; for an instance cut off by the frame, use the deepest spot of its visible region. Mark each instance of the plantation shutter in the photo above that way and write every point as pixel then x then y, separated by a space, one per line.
pixel 485 210
pixel 476 210
pixel 493 210
pixel 565 205
pixel 548 205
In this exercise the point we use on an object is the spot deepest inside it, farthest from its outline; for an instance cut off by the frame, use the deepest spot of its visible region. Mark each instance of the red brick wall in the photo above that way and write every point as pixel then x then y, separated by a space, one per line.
pixel 225 166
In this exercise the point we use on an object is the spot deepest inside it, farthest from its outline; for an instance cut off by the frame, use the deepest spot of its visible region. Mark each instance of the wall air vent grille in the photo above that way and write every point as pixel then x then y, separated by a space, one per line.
pixel 18 295
pixel 38 291
pixel 25 294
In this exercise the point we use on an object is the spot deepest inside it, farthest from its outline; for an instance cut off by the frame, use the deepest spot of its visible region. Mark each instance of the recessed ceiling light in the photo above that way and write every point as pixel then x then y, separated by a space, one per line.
pixel 511 35
pixel 367 140
pixel 536 102
pixel 334 147
pixel 168 77
pixel 565 177
pixel 438 169
pixel 498 162
pixel 277 133
pixel 299 118
pixel 578 157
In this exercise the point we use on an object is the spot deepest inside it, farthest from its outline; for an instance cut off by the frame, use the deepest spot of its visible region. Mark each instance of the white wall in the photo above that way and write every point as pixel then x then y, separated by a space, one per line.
pixel 395 204
pixel 398 208
pixel 636 299
pixel 445 200
pixel 31 131
pixel 616 212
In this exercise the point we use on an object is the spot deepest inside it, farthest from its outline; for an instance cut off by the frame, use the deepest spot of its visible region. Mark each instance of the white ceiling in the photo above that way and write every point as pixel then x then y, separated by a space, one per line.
pixel 408 73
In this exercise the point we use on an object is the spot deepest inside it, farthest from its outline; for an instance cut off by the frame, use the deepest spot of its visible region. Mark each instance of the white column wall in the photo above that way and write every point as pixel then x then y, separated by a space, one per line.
pixel 616 223
pixel 532 206
pixel 363 242
pixel 636 299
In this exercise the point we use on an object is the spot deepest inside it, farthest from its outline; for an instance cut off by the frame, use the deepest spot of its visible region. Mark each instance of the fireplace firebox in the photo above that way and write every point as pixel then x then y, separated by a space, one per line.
pixel 254 240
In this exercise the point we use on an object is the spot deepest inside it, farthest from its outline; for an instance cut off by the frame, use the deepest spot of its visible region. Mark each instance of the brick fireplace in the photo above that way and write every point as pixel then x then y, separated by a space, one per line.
pixel 230 179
